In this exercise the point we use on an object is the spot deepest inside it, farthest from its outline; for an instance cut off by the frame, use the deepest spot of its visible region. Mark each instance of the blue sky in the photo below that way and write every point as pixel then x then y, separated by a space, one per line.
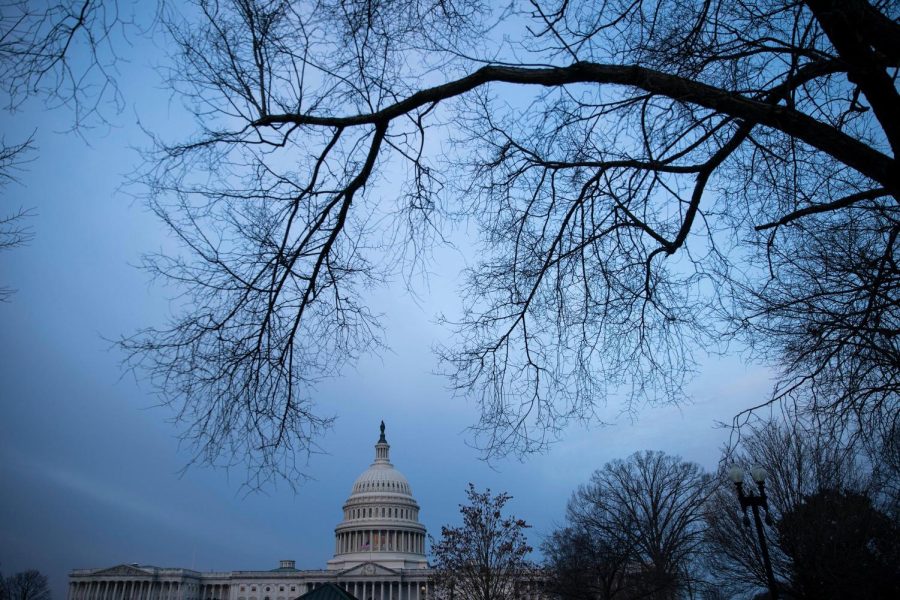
pixel 91 470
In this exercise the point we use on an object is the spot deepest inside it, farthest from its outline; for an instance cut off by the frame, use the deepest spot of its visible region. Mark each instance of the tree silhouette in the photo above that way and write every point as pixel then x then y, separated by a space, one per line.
pixel 841 546
pixel 486 557
pixel 63 54
pixel 26 585
pixel 801 461
pixel 641 519
pixel 651 180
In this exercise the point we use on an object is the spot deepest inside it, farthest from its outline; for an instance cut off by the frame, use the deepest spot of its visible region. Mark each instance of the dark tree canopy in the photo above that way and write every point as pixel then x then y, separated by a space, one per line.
pixel 587 563
pixel 650 179
pixel 841 547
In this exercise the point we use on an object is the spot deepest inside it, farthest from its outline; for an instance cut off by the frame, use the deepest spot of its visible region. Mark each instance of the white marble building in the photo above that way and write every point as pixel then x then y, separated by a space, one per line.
pixel 379 554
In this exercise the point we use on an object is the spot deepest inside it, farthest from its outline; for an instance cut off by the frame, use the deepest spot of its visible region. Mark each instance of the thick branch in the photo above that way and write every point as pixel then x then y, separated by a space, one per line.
pixel 850 151
pixel 845 22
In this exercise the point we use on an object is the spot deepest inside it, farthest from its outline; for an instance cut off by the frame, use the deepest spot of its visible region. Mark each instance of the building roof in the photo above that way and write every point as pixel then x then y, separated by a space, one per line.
pixel 327 591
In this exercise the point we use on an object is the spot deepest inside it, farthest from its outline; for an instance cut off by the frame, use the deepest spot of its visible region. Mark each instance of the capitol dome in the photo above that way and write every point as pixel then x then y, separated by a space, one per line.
pixel 381 477
pixel 381 519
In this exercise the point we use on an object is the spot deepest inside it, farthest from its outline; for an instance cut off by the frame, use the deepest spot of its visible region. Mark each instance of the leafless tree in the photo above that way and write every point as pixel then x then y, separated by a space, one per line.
pixel 486 558
pixel 588 563
pixel 646 512
pixel 26 585
pixel 64 54
pixel 650 179
pixel 801 461
pixel 14 230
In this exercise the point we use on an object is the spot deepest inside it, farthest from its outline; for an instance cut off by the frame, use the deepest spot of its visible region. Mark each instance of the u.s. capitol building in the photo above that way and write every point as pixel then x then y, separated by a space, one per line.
pixel 379 554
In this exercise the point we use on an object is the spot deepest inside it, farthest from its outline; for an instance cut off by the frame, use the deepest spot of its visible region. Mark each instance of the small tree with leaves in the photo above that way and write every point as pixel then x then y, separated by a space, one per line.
pixel 841 546
pixel 485 558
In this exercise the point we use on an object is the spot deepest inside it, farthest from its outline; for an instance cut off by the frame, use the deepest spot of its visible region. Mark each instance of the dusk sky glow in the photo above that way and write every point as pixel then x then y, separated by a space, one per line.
pixel 90 469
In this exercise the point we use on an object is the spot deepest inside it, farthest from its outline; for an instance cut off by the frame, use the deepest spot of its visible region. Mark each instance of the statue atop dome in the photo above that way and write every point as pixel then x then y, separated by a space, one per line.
pixel 381 440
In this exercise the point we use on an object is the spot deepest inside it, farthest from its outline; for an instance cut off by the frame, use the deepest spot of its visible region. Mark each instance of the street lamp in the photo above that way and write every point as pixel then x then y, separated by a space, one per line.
pixel 754 502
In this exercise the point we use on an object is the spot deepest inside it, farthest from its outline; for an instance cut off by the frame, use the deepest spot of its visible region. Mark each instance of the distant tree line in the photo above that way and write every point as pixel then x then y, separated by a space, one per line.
pixel 654 526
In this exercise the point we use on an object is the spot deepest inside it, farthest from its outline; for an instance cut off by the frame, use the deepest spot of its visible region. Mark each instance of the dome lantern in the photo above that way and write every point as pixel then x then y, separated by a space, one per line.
pixel 382 448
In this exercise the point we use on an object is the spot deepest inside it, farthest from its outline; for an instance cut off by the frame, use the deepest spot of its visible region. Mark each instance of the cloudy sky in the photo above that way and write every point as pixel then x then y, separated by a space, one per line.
pixel 91 474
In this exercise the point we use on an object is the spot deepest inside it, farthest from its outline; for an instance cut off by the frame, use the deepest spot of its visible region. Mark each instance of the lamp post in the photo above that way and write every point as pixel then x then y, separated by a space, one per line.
pixel 754 502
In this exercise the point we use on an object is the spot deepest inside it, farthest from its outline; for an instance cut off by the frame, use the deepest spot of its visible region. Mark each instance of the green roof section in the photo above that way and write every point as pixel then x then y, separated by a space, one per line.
pixel 327 591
